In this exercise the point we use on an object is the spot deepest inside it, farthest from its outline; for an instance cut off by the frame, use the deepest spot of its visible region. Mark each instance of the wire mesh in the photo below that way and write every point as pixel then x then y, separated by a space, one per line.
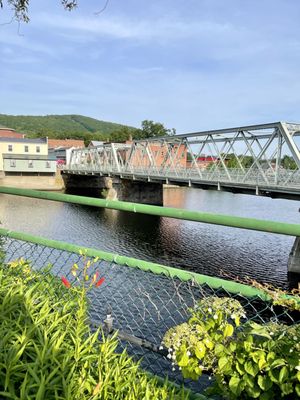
pixel 143 305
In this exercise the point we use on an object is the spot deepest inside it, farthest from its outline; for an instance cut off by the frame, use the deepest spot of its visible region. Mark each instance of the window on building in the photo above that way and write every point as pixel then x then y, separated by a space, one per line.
pixel 26 149
pixel 38 149
pixel 48 165
pixel 12 163
pixel 30 163
pixel 10 148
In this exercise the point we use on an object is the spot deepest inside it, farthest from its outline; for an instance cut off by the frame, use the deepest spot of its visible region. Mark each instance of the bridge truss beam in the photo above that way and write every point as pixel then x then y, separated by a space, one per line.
pixel 256 156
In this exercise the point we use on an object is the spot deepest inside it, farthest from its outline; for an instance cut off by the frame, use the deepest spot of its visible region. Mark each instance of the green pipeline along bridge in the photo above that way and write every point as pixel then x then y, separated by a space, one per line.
pixel 258 159
pixel 142 300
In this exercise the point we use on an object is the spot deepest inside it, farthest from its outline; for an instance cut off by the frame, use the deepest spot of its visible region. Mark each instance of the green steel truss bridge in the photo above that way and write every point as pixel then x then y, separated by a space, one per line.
pixel 258 159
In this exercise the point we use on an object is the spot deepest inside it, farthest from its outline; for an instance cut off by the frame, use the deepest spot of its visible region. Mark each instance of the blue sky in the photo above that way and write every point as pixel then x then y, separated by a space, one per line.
pixel 190 64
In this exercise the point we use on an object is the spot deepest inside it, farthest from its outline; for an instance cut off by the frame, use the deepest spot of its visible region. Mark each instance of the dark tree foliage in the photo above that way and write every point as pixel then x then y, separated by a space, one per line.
pixel 20 7
pixel 155 129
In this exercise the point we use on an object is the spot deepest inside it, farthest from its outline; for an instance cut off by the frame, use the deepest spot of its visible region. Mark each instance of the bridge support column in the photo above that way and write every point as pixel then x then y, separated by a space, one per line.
pixel 115 188
pixel 294 257
pixel 140 192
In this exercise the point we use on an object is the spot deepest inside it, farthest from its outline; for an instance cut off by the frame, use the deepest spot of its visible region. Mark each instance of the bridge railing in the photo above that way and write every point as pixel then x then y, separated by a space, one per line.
pixel 139 299
pixel 251 176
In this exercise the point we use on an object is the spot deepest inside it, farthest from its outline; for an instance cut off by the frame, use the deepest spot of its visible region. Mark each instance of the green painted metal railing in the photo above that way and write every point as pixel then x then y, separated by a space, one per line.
pixel 230 286
pixel 178 213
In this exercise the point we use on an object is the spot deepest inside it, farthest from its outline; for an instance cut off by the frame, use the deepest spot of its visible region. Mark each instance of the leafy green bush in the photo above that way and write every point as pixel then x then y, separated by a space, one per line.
pixel 247 360
pixel 48 351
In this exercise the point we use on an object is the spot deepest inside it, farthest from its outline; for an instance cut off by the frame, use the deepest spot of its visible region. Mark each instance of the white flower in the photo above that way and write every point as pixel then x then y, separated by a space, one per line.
pixel 215 316
pixel 180 368
pixel 295 337
pixel 233 316
pixel 173 369
pixel 161 347
pixel 169 356
pixel 271 333
pixel 297 368
pixel 188 353
pixel 243 315
pixel 209 309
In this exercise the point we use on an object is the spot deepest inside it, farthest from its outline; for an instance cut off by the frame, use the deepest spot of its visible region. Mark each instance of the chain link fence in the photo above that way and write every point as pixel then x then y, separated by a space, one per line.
pixel 143 305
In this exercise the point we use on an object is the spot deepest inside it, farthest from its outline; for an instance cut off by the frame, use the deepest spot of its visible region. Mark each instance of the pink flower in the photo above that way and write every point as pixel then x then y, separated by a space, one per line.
pixel 66 282
pixel 99 283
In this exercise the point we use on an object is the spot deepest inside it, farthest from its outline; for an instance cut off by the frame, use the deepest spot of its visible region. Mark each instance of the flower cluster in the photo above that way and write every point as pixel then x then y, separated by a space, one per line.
pixel 88 280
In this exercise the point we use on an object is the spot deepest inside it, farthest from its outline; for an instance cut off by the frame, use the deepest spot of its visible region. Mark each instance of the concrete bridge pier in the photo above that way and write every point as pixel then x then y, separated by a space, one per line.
pixel 294 258
pixel 115 188
pixel 140 192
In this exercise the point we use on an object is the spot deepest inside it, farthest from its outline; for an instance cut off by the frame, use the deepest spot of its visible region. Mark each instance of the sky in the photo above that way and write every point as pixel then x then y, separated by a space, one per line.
pixel 190 64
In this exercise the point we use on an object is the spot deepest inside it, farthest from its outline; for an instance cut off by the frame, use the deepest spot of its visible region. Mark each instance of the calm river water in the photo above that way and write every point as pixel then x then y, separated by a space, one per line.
pixel 207 249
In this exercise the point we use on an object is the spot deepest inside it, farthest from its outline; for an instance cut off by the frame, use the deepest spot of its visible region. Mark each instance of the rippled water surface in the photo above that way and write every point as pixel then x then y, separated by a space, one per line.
pixel 209 249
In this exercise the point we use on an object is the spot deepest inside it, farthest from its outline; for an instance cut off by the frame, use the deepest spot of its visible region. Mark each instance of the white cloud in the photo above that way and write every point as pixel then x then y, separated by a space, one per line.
pixel 125 28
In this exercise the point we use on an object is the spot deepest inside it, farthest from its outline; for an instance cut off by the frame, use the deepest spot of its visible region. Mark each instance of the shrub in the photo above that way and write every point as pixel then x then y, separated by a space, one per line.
pixel 48 351
pixel 247 360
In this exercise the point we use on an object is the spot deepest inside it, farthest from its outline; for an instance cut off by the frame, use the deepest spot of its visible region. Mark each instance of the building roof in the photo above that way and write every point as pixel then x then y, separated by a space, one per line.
pixel 22 140
pixel 95 143
pixel 5 127
pixel 9 132
pixel 65 143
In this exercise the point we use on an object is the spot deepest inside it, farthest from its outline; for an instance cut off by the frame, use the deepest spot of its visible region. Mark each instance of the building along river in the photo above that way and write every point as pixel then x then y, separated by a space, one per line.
pixel 207 249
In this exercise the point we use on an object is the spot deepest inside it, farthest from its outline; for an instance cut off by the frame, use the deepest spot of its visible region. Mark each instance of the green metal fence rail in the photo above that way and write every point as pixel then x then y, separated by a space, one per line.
pixel 230 286
pixel 217 219
pixel 144 299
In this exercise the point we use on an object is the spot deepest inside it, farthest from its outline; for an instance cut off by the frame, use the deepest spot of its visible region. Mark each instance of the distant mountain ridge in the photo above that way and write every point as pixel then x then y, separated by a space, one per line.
pixel 61 126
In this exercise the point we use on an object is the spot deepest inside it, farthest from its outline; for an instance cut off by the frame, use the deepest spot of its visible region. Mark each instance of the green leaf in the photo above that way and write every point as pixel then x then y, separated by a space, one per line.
pixel 254 391
pixel 234 385
pixel 262 363
pixel 200 350
pixel 209 344
pixel 183 360
pixel 286 388
pixel 264 382
pixel 228 330
pixel 274 375
pixel 232 347
pixel 267 396
pixel 240 368
pixel 271 356
pixel 284 373
pixel 251 368
pixel 249 380
pixel 278 363
pixel 223 362
pixel 259 330
pixel 219 349
pixel 298 376
pixel 297 388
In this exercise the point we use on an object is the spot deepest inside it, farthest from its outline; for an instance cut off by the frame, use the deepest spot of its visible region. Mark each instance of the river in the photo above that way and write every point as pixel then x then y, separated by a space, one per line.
pixel 207 249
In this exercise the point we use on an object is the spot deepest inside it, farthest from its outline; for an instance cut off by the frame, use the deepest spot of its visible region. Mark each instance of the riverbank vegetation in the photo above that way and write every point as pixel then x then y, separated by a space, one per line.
pixel 246 360
pixel 48 350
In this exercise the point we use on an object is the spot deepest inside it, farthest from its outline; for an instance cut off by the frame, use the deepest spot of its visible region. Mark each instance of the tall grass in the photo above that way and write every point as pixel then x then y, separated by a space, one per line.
pixel 48 351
